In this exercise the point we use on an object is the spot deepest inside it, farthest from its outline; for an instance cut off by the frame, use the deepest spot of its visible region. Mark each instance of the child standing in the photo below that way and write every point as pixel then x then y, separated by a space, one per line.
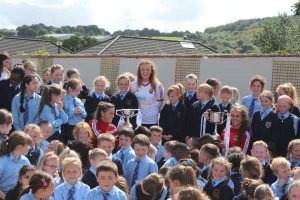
pixel 74 107
pixel 6 121
pixel 173 115
pixel 190 94
pixel 282 170
pixel 149 92
pixel 155 138
pixel 101 84
pixel 57 75
pixel 141 166
pixel 218 186
pixel 293 155
pixel 74 73
pixel 124 99
pixel 24 105
pixel 35 152
pixel 107 177
pixel 196 121
pixel 284 128
pixel 72 188
pixel 207 153
pixel 12 159
pixel 51 109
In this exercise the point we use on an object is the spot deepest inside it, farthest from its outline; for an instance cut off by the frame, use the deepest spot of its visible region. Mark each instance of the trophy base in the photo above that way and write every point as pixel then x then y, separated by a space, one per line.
pixel 216 136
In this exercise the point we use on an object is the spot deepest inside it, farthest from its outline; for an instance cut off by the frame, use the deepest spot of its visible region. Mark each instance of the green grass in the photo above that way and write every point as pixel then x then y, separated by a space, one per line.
pixel 167 38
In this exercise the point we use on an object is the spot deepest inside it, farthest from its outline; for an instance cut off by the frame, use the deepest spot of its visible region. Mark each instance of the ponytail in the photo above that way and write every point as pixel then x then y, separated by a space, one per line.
pixel 26 80
pixel 15 139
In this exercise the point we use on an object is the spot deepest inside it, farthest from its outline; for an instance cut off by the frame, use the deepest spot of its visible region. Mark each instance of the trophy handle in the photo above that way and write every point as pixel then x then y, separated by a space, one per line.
pixel 137 112
pixel 117 113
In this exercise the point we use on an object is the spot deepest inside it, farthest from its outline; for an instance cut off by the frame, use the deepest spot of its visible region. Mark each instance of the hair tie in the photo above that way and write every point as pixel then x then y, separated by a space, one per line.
pixel 44 183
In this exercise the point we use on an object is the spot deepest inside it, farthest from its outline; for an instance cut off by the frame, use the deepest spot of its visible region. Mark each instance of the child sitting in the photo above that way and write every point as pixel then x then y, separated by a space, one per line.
pixel 107 177
pixel 35 152
pixel 46 131
pixel 207 153
pixel 167 154
pixel 293 155
pixel 156 137
pixel 95 157
pixel 251 168
pixel 179 151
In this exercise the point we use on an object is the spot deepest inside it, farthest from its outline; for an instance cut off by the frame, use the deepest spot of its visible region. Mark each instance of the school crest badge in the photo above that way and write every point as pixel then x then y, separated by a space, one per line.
pixel 235 138
pixel 128 102
pixel 268 124
pixel 216 193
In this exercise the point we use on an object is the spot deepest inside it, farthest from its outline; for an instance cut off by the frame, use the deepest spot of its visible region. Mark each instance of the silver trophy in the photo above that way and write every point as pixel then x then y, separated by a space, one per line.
pixel 217 118
pixel 127 114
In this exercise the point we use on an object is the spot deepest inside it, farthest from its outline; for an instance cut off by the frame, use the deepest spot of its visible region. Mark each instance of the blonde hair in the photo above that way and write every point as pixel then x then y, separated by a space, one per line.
pixel 226 89
pixel 130 76
pixel 104 79
pixel 123 76
pixel 291 145
pixel 260 143
pixel 192 77
pixel 267 94
pixel 122 185
pixel 33 127
pixel 294 184
pixel 205 88
pixel 264 192
pixel 152 149
pixel 279 162
pixel 290 90
pixel 67 153
pixel 178 89
pixel 86 127
pixel 45 158
pixel 189 192
pixel 235 98
pixel 106 137
pixel 71 161
pixel 96 152
pixel 220 161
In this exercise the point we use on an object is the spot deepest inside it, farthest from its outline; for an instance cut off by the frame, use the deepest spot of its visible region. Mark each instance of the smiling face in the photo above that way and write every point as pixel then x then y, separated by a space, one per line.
pixel 283 106
pixel 173 97
pixel 225 96
pixel 6 63
pixel 256 88
pixel 106 180
pixel 108 116
pixel 100 86
pixel 51 167
pixel 145 70
pixel 155 137
pixel 260 152
pixel 295 152
pixel 190 85
pixel 294 193
pixel 47 76
pixel 236 118
pixel 265 102
pixel 123 85
pixel 218 171
pixel 72 173
pixel 107 146
pixel 57 76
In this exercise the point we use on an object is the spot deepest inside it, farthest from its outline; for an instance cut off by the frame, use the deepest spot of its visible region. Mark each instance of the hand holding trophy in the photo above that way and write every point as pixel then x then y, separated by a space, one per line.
pixel 125 115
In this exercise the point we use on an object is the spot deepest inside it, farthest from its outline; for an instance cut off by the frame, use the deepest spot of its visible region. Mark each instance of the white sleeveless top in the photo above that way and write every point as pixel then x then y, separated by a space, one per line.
pixel 148 101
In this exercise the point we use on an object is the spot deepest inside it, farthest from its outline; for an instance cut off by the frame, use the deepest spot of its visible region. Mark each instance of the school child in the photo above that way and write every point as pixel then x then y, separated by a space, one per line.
pixel 296 173
pixel 107 177
pixel 103 121
pixel 188 192
pixel 197 125
pixel 142 130
pixel 193 143
pixel 190 94
pixel 208 152
pixel 46 131
pixel 257 84
pixel 173 115
pixel 167 154
pixel 294 191
pixel 73 107
pixel 12 159
pixel 218 186
pixel 251 168
pixel 260 151
pixel 23 182
pixel 72 188
pixel 179 151
pixel 290 90
pixel 4 65
pixel 6 121
pixel 124 99
pixel 101 84
pixel 10 87
pixel 152 187
pixel 235 175
pixel 264 192
pixel 96 155
pixel 152 152
pixel 140 166
pixel 225 105
pixel 41 186
pixel 237 134
pixel 57 75
pixel 282 170
pixel 51 109
pixel 49 164
pixel 149 92
pixel 82 149
pixel 24 105
pixel 74 73
pixel 285 125
pixel 216 85
pixel 235 99
pixel 156 138
pixel 181 176
pixel 46 74
pixel 107 143
pixel 122 185
pixel 293 155
pixel 263 119
pixel 56 147
pixel 248 189
pixel 35 153
pixel 126 152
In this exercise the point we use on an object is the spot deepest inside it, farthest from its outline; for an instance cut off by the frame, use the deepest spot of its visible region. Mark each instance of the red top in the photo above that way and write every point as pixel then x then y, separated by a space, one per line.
pixel 100 127
pixel 244 144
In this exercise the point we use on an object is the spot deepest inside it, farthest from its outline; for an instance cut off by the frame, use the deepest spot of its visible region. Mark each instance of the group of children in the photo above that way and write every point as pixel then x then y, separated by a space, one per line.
pixel 61 141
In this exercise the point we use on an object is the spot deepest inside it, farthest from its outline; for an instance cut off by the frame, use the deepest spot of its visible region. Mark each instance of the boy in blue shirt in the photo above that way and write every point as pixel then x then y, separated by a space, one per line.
pixel 107 177
pixel 156 137
pixel 140 166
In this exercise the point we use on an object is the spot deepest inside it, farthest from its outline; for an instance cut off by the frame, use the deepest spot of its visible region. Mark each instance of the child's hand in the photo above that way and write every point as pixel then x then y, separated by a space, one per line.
pixel 167 137
pixel 2 195
pixel 77 110
pixel 60 105
pixel 206 114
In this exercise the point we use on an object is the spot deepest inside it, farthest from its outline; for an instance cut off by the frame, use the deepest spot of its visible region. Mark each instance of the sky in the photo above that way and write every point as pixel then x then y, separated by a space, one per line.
pixel 112 15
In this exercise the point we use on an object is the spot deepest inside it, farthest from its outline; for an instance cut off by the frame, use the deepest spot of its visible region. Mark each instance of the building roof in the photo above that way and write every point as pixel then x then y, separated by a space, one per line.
pixel 127 45
pixel 17 45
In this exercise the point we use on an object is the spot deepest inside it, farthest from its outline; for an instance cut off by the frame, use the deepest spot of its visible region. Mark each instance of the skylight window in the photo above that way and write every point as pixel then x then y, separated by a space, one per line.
pixel 187 45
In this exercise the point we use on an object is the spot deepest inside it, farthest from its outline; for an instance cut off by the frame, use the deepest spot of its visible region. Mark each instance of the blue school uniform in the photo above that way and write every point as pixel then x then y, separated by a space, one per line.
pixel 159 155
pixel 128 154
pixel 56 118
pixel 113 194
pixel 145 166
pixel 30 196
pixel 9 170
pixel 62 191
pixel 294 163
pixel 190 98
pixel 70 103
pixel 219 189
pixel 44 145
pixel 136 193
pixel 91 103
pixel 248 102
pixel 171 162
pixel 18 116
pixel 35 154
pixel 89 177
pixel 279 192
